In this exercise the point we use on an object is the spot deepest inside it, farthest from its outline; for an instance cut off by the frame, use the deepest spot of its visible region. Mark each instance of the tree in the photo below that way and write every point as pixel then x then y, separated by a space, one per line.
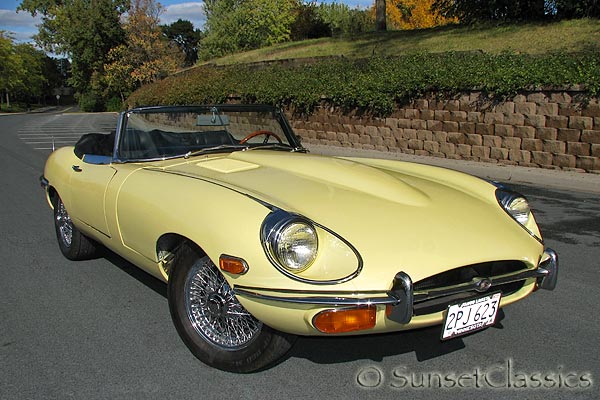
pixel 235 25
pixel 343 20
pixel 574 8
pixel 84 30
pixel 52 71
pixel 9 65
pixel 470 11
pixel 308 22
pixel 32 81
pixel 146 55
pixel 24 72
pixel 414 14
pixel 182 33
pixel 380 16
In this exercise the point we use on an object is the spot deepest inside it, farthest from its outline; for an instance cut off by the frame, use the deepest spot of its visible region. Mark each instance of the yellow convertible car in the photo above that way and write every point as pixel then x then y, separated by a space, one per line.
pixel 259 241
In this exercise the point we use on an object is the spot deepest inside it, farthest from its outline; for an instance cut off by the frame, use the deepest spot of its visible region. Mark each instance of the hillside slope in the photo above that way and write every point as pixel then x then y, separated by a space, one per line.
pixel 566 36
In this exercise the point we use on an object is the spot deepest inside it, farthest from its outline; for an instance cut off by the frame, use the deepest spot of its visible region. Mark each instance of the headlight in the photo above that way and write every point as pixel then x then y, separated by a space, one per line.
pixel 296 246
pixel 517 207
pixel 290 241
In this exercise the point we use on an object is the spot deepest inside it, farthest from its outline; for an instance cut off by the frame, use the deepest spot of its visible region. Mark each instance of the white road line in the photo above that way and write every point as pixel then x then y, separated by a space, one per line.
pixel 64 144
pixel 46 133
pixel 49 137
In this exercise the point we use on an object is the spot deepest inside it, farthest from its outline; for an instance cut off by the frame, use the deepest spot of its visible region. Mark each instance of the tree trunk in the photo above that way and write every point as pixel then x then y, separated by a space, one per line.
pixel 380 16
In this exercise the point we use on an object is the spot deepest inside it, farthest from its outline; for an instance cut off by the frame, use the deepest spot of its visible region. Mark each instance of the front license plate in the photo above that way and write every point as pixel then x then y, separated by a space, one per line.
pixel 471 315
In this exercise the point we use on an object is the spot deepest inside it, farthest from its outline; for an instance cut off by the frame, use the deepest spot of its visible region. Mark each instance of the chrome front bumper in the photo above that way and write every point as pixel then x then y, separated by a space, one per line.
pixel 44 182
pixel 548 269
pixel 402 297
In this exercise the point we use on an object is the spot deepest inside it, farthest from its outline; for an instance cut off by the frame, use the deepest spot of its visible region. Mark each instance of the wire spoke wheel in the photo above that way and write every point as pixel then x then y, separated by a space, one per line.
pixel 72 243
pixel 64 224
pixel 214 311
pixel 212 322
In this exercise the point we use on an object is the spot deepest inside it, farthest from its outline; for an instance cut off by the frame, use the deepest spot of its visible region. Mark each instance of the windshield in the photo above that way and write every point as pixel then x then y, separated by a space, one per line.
pixel 167 132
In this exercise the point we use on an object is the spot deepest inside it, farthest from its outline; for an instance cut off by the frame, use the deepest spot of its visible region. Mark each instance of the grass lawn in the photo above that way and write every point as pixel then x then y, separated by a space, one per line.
pixel 541 38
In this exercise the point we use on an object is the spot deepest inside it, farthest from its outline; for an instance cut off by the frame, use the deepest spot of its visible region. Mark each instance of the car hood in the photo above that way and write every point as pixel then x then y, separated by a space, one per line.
pixel 398 215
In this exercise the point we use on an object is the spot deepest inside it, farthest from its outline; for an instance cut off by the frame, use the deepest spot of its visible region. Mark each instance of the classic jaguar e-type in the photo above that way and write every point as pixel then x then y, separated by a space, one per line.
pixel 259 241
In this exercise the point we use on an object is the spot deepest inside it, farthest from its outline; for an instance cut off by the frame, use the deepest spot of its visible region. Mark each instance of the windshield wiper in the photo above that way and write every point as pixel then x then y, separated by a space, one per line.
pixel 216 149
pixel 277 146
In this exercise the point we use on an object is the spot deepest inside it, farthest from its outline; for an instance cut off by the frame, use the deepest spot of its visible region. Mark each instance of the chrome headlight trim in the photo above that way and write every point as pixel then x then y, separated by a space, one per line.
pixel 516 206
pixel 278 218
pixel 277 236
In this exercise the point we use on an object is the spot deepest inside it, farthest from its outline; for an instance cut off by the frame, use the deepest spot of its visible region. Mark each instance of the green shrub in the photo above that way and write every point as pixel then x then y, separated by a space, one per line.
pixel 114 104
pixel 90 102
pixel 377 84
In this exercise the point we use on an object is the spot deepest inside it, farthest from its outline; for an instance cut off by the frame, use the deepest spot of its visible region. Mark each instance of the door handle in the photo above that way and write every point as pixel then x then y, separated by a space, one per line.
pixel 76 168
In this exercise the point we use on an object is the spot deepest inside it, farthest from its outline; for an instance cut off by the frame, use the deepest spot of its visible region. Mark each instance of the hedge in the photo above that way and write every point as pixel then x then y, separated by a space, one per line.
pixel 377 84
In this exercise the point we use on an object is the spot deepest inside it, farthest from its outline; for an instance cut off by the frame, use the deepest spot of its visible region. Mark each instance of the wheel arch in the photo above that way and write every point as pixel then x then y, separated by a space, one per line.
pixel 167 247
pixel 51 196
pixel 252 345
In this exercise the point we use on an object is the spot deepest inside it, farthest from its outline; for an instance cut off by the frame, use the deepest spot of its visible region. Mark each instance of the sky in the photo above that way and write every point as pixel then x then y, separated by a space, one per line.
pixel 22 26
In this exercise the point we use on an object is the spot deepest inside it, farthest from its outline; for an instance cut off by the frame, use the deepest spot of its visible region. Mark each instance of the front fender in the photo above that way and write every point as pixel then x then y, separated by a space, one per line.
pixel 57 174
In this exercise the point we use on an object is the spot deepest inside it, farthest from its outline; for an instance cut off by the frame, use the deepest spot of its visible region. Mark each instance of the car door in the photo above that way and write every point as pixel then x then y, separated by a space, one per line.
pixel 89 181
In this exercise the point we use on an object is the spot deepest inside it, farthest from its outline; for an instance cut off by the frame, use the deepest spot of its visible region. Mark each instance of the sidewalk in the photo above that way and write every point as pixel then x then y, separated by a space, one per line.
pixel 556 179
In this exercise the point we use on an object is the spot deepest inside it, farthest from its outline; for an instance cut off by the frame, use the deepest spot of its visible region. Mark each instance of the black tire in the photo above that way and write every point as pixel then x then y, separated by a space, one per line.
pixel 202 303
pixel 72 243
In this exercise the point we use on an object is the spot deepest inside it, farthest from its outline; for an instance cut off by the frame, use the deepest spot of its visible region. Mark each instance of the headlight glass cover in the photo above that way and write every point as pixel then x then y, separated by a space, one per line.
pixel 517 207
pixel 296 246
pixel 290 241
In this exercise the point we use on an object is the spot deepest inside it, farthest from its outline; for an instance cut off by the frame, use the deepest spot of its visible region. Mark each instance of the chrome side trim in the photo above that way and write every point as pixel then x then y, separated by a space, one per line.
pixel 317 298
pixel 315 292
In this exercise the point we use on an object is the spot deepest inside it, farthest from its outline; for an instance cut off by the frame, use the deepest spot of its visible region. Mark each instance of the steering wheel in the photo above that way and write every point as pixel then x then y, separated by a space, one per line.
pixel 261 132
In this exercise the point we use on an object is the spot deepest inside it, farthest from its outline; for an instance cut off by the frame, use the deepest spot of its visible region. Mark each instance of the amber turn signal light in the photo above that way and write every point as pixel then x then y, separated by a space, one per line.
pixel 233 265
pixel 349 320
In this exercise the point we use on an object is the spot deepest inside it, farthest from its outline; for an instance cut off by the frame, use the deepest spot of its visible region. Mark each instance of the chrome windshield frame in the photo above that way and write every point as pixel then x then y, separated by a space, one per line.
pixel 294 142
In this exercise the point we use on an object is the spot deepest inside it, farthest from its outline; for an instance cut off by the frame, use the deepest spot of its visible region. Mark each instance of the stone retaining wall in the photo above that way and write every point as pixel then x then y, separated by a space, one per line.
pixel 539 129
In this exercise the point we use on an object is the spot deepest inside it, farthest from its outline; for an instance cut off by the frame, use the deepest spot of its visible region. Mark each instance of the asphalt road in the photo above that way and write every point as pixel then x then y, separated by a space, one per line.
pixel 101 329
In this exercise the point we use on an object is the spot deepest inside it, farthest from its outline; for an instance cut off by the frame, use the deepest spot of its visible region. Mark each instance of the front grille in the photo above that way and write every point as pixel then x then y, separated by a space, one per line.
pixel 464 275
